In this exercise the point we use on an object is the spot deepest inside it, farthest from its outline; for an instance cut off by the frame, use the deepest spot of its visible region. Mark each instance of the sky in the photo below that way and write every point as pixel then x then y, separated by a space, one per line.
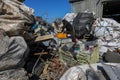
pixel 49 9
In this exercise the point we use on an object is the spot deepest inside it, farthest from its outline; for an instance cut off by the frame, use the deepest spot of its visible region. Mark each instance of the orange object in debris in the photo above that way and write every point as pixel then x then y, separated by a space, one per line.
pixel 61 35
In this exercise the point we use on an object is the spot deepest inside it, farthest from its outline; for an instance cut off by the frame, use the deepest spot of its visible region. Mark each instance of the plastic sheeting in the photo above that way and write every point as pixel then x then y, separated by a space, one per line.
pixel 108 32
pixel 70 17
pixel 14 74
pixel 82 24
pixel 14 54
pixel 94 70
pixel 74 73
pixel 4 42
pixel 15 16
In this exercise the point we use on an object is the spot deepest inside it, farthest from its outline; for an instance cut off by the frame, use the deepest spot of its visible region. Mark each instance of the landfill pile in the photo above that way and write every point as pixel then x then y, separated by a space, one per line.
pixel 15 17
pixel 51 55
pixel 107 33
pixel 15 20
pixel 33 49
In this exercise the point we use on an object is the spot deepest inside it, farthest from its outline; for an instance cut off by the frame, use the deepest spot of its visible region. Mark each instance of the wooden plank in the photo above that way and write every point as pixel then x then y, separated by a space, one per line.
pixel 45 69
pixel 45 37
pixel 41 53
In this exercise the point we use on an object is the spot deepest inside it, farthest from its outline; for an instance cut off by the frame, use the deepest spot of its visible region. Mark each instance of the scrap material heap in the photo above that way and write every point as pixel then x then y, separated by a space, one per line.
pixel 33 49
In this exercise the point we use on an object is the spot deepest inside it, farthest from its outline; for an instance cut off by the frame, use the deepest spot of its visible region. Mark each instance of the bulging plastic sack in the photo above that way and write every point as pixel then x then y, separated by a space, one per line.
pixel 13 52
pixel 74 73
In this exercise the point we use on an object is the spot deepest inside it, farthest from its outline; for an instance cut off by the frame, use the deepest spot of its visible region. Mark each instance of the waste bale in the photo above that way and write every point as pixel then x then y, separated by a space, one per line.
pixel 15 17
pixel 13 53
pixel 82 24
pixel 13 74
pixel 108 32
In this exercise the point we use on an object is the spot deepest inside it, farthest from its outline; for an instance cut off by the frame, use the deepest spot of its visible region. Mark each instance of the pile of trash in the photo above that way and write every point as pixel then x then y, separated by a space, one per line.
pixel 108 32
pixel 15 20
pixel 51 55
pixel 15 17
pixel 71 48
